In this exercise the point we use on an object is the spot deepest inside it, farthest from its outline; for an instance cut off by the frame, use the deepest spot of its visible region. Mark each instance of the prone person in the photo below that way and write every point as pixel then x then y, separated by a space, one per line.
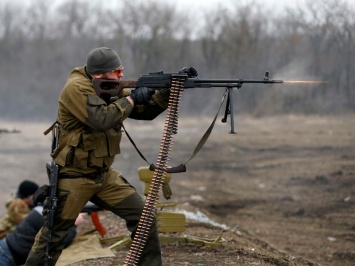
pixel 16 245
pixel 18 207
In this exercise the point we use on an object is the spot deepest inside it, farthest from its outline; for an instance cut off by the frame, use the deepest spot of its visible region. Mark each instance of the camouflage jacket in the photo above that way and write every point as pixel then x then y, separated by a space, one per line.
pixel 17 210
pixel 90 128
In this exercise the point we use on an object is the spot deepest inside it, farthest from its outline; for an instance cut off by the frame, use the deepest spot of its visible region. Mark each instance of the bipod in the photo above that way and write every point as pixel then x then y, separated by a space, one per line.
pixel 229 106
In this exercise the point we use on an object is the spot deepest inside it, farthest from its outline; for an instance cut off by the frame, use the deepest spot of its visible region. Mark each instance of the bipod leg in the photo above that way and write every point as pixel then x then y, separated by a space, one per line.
pixel 229 110
pixel 230 97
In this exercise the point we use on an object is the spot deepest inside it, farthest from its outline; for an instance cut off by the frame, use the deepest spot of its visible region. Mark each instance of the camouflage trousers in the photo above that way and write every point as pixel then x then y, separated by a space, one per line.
pixel 109 191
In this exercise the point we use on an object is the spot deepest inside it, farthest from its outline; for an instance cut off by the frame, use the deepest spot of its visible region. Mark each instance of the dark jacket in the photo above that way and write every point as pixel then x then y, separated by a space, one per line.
pixel 20 241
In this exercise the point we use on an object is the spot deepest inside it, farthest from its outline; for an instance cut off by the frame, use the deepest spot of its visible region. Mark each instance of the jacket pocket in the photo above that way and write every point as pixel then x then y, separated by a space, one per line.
pixel 67 155
pixel 61 158
pixel 80 158
pixel 114 139
pixel 89 142
pixel 95 161
pixel 101 147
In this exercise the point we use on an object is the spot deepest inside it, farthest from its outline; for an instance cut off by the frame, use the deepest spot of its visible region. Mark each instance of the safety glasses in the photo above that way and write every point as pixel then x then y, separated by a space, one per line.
pixel 117 72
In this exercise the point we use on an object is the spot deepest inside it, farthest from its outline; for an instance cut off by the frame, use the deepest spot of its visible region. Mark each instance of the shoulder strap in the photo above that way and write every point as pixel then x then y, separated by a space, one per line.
pixel 50 128
pixel 134 144
pixel 207 133
pixel 182 167
pixel 56 147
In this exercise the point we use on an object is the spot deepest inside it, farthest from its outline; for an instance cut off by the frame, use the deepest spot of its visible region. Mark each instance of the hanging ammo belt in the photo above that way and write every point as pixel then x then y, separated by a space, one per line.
pixel 148 214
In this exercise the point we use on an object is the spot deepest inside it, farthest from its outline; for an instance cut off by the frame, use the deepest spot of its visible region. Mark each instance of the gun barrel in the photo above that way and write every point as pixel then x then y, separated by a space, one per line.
pixel 205 83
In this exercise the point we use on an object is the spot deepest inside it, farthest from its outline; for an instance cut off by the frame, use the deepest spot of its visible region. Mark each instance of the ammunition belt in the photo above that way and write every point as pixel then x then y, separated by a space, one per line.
pixel 149 210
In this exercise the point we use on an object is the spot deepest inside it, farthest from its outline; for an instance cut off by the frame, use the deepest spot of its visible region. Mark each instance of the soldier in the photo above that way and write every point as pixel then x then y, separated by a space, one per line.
pixel 18 207
pixel 89 138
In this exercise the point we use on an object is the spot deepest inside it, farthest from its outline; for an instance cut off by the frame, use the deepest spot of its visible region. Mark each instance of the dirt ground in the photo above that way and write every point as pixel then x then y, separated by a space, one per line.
pixel 283 188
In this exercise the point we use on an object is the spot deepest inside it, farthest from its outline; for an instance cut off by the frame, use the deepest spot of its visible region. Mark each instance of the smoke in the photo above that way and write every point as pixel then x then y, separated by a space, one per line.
pixel 297 69
pixel 296 94
pixel 202 218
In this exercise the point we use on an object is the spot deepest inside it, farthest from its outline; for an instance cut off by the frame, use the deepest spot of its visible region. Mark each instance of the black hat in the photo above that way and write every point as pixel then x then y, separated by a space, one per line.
pixel 26 188
pixel 101 60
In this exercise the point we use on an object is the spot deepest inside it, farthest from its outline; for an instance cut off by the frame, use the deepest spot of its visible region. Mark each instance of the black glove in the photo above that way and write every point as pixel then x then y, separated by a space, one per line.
pixel 142 95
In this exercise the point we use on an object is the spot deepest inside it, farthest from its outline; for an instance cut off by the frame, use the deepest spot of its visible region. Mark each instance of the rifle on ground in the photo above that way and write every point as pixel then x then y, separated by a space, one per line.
pixel 112 89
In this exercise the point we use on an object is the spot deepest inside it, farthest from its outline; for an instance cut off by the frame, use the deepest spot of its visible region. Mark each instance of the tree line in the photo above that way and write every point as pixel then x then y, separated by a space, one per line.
pixel 41 41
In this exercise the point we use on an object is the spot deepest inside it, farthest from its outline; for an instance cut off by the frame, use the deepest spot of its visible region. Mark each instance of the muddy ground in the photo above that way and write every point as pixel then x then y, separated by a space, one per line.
pixel 282 187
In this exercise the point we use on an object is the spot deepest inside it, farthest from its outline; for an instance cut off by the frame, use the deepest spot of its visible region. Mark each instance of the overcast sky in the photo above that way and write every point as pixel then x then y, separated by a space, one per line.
pixel 199 6
pixel 210 4
pixel 277 5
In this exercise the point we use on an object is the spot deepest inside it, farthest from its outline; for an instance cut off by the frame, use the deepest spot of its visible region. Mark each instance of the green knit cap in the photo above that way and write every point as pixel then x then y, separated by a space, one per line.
pixel 102 60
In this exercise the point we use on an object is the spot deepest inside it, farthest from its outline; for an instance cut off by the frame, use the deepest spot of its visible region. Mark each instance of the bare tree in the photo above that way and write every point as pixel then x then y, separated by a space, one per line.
pixel 344 41
pixel 212 47
pixel 41 41
pixel 150 29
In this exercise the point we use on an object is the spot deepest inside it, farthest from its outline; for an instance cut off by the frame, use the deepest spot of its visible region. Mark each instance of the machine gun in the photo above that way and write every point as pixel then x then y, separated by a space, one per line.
pixel 112 89
pixel 185 78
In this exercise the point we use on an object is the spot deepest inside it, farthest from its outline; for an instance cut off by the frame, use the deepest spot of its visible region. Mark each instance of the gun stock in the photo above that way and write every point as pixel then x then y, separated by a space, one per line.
pixel 112 88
